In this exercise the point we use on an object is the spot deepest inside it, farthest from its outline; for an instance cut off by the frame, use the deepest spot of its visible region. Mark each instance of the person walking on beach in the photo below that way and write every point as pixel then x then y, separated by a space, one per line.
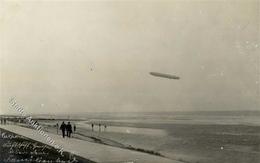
pixel 69 129
pixel 74 127
pixel 99 125
pixel 92 125
pixel 63 128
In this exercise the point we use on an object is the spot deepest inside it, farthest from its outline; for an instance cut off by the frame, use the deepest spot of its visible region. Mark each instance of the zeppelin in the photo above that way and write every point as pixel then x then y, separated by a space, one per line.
pixel 157 74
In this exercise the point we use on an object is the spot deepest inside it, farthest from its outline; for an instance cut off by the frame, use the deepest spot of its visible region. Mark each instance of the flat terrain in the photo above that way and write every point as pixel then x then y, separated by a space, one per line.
pixel 93 151
pixel 218 137
pixel 191 143
pixel 17 148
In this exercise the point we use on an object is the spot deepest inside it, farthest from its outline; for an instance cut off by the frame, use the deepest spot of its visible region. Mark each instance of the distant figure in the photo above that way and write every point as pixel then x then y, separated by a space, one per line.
pixel 92 126
pixel 1 121
pixel 74 127
pixel 69 129
pixel 105 127
pixel 4 121
pixel 99 125
pixel 63 128
pixel 57 126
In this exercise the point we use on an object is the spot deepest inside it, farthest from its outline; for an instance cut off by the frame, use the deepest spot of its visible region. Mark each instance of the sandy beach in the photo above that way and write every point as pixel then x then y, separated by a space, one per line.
pixel 193 141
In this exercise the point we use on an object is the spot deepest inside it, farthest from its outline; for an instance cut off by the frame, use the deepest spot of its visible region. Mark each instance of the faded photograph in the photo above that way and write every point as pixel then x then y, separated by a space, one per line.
pixel 137 81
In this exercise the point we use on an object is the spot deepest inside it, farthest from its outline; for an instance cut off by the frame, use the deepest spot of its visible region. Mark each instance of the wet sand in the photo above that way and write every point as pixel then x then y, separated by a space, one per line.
pixel 190 143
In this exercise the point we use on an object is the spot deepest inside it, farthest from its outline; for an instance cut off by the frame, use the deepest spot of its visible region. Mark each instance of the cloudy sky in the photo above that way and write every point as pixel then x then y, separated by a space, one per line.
pixel 96 56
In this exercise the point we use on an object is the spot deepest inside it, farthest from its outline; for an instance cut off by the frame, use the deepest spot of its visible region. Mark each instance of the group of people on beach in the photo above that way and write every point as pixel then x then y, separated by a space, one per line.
pixel 66 129
pixel 99 126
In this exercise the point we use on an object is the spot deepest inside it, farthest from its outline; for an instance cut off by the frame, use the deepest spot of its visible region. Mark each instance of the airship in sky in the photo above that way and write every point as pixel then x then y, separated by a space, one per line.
pixel 162 75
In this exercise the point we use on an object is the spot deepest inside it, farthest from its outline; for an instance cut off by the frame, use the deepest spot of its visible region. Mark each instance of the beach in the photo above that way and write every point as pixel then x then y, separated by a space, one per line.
pixel 184 138
pixel 16 148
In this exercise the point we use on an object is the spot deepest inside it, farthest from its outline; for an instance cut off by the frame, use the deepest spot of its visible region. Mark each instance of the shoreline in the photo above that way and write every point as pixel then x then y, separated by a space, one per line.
pixel 100 140
pixel 90 150
pixel 191 143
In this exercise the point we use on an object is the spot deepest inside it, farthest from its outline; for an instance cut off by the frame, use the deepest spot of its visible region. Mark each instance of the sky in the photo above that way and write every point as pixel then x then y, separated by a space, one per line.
pixel 95 56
